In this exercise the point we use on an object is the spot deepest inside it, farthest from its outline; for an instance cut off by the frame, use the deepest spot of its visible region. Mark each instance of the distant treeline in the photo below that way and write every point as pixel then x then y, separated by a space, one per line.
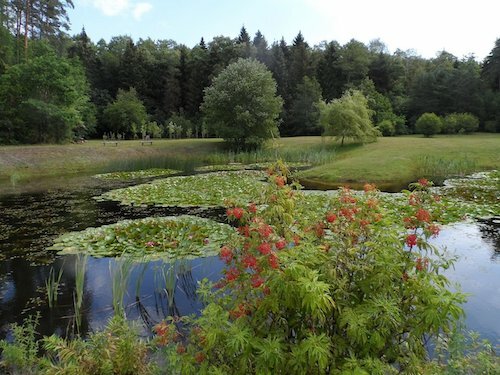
pixel 54 87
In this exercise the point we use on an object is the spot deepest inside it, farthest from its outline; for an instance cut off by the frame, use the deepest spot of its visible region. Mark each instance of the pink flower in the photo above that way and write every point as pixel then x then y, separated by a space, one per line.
pixel 151 243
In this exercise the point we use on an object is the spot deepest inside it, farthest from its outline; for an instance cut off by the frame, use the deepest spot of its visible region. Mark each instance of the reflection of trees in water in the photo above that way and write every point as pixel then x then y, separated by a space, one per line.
pixel 490 232
pixel 27 295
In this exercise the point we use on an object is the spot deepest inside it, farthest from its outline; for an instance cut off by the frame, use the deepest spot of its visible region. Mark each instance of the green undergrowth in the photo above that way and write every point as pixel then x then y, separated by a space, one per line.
pixel 239 166
pixel 169 238
pixel 203 190
pixel 135 175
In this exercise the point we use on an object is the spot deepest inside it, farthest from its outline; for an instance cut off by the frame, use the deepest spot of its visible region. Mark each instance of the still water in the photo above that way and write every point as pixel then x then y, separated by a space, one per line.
pixel 31 217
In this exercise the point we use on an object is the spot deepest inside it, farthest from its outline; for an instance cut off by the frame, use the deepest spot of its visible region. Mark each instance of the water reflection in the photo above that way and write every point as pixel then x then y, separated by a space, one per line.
pixel 477 271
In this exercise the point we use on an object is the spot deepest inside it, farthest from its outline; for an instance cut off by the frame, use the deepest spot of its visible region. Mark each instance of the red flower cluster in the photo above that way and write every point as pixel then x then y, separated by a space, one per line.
pixel 423 215
pixel 226 254
pixel 421 264
pixel 411 240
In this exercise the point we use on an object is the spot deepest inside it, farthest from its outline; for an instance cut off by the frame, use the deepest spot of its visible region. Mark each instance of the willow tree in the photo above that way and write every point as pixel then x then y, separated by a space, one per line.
pixel 348 117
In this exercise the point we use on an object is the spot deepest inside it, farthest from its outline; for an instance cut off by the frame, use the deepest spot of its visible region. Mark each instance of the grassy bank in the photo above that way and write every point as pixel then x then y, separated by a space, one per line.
pixel 393 162
pixel 390 162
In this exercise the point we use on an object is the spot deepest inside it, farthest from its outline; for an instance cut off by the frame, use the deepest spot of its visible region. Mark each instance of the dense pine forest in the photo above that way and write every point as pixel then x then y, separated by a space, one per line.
pixel 58 88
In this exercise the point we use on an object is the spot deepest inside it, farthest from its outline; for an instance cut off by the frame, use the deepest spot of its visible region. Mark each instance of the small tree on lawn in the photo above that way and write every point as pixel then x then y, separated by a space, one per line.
pixel 348 117
pixel 241 106
pixel 124 112
pixel 428 124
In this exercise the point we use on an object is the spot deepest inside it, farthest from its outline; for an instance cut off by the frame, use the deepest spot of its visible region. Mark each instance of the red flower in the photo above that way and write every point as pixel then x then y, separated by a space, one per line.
pixel 264 248
pixel 161 328
pixel 257 281
pixel 245 231
pixel 411 240
pixel 364 223
pixel 181 349
pixel 331 217
pixel 252 207
pixel 423 182
pixel 273 261
pixel 249 261
pixel 434 229
pixel 423 215
pixel 405 276
pixel 296 240
pixel 280 181
pixel 319 230
pixel 238 212
pixel 229 212
pixel 199 357
pixel 232 274
pixel 226 254
pixel 281 244
pixel 265 230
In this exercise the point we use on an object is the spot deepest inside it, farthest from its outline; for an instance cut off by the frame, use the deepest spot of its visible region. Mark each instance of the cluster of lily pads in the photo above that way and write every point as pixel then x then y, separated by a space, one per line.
pixel 239 166
pixel 136 175
pixel 205 190
pixel 168 238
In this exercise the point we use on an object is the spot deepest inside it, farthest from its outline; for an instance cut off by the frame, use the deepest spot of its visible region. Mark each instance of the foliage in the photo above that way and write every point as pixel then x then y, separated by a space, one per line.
pixel 460 123
pixel 117 349
pixel 348 117
pixel 126 113
pixel 352 293
pixel 304 111
pixel 239 166
pixel 241 106
pixel 44 100
pixel 179 237
pixel 20 357
pixel 134 175
pixel 206 190
pixel 386 128
pixel 428 124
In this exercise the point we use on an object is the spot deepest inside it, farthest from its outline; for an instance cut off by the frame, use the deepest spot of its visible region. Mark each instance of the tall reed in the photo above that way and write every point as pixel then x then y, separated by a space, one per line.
pixel 120 273
pixel 52 286
pixel 80 267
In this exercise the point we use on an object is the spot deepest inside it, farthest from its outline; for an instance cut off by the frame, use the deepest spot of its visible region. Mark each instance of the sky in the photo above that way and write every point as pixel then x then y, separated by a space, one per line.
pixel 461 27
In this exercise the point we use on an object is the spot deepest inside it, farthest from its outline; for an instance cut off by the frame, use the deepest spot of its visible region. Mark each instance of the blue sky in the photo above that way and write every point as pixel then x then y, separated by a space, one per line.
pixel 461 27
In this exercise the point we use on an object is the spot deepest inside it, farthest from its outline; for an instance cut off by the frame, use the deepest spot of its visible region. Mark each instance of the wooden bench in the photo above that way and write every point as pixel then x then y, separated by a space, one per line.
pixel 145 142
pixel 115 143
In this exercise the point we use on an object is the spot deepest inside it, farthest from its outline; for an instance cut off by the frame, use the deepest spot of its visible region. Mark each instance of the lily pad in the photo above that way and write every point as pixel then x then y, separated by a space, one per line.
pixel 254 166
pixel 170 238
pixel 135 175
pixel 204 190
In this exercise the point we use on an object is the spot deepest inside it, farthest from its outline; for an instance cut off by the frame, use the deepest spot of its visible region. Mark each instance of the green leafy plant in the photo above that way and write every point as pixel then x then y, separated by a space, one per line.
pixel 80 267
pixel 352 292
pixel 134 175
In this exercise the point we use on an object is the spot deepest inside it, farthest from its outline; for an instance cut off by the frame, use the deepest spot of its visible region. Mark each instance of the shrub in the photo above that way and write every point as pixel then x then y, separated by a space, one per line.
pixel 460 123
pixel 491 126
pixel 351 292
pixel 428 124
pixel 387 128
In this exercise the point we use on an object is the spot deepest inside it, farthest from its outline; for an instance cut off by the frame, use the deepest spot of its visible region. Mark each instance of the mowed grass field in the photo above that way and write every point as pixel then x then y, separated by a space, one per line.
pixel 389 161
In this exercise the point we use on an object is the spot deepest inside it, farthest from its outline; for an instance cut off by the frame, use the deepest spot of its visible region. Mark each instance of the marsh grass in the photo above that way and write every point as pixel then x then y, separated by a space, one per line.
pixel 80 268
pixel 438 169
pixel 52 286
pixel 120 272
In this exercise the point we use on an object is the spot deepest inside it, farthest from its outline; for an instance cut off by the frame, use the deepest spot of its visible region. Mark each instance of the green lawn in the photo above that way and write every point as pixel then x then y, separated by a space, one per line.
pixel 390 163
pixel 399 160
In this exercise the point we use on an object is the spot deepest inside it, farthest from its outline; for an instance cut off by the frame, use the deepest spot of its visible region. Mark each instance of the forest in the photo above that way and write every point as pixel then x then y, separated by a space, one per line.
pixel 56 88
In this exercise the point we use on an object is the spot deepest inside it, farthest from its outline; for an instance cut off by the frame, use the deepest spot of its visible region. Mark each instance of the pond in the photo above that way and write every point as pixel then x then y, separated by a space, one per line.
pixel 33 216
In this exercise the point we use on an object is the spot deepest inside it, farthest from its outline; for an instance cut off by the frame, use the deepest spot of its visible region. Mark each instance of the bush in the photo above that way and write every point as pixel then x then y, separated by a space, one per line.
pixel 460 123
pixel 348 292
pixel 387 128
pixel 428 124
pixel 491 126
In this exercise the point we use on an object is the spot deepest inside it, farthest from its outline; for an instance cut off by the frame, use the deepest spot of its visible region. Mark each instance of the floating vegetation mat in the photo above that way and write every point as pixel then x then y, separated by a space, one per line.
pixel 135 175
pixel 239 167
pixel 477 195
pixel 204 190
pixel 170 238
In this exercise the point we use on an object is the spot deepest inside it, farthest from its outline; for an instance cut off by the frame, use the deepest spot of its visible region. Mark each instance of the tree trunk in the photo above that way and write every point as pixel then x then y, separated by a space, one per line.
pixel 26 28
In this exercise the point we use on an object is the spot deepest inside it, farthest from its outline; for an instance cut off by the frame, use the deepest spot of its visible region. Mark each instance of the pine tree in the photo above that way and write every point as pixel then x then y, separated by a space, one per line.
pixel 261 48
pixel 491 67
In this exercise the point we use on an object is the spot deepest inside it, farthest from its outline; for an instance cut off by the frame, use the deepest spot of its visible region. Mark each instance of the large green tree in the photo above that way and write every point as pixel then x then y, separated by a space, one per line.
pixel 348 118
pixel 126 114
pixel 241 105
pixel 304 110
pixel 44 100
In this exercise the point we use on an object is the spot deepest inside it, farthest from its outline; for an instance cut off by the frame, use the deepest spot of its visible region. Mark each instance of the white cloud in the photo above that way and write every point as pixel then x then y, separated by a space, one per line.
pixel 140 9
pixel 111 7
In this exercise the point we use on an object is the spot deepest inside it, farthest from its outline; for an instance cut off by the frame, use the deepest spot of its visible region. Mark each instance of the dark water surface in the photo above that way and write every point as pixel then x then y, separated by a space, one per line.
pixel 31 217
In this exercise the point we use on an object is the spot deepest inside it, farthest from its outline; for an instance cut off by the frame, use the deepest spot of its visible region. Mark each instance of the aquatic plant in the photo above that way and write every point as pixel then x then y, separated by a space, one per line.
pixel 203 190
pixel 167 238
pixel 80 267
pixel 120 271
pixel 52 286
pixel 134 175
